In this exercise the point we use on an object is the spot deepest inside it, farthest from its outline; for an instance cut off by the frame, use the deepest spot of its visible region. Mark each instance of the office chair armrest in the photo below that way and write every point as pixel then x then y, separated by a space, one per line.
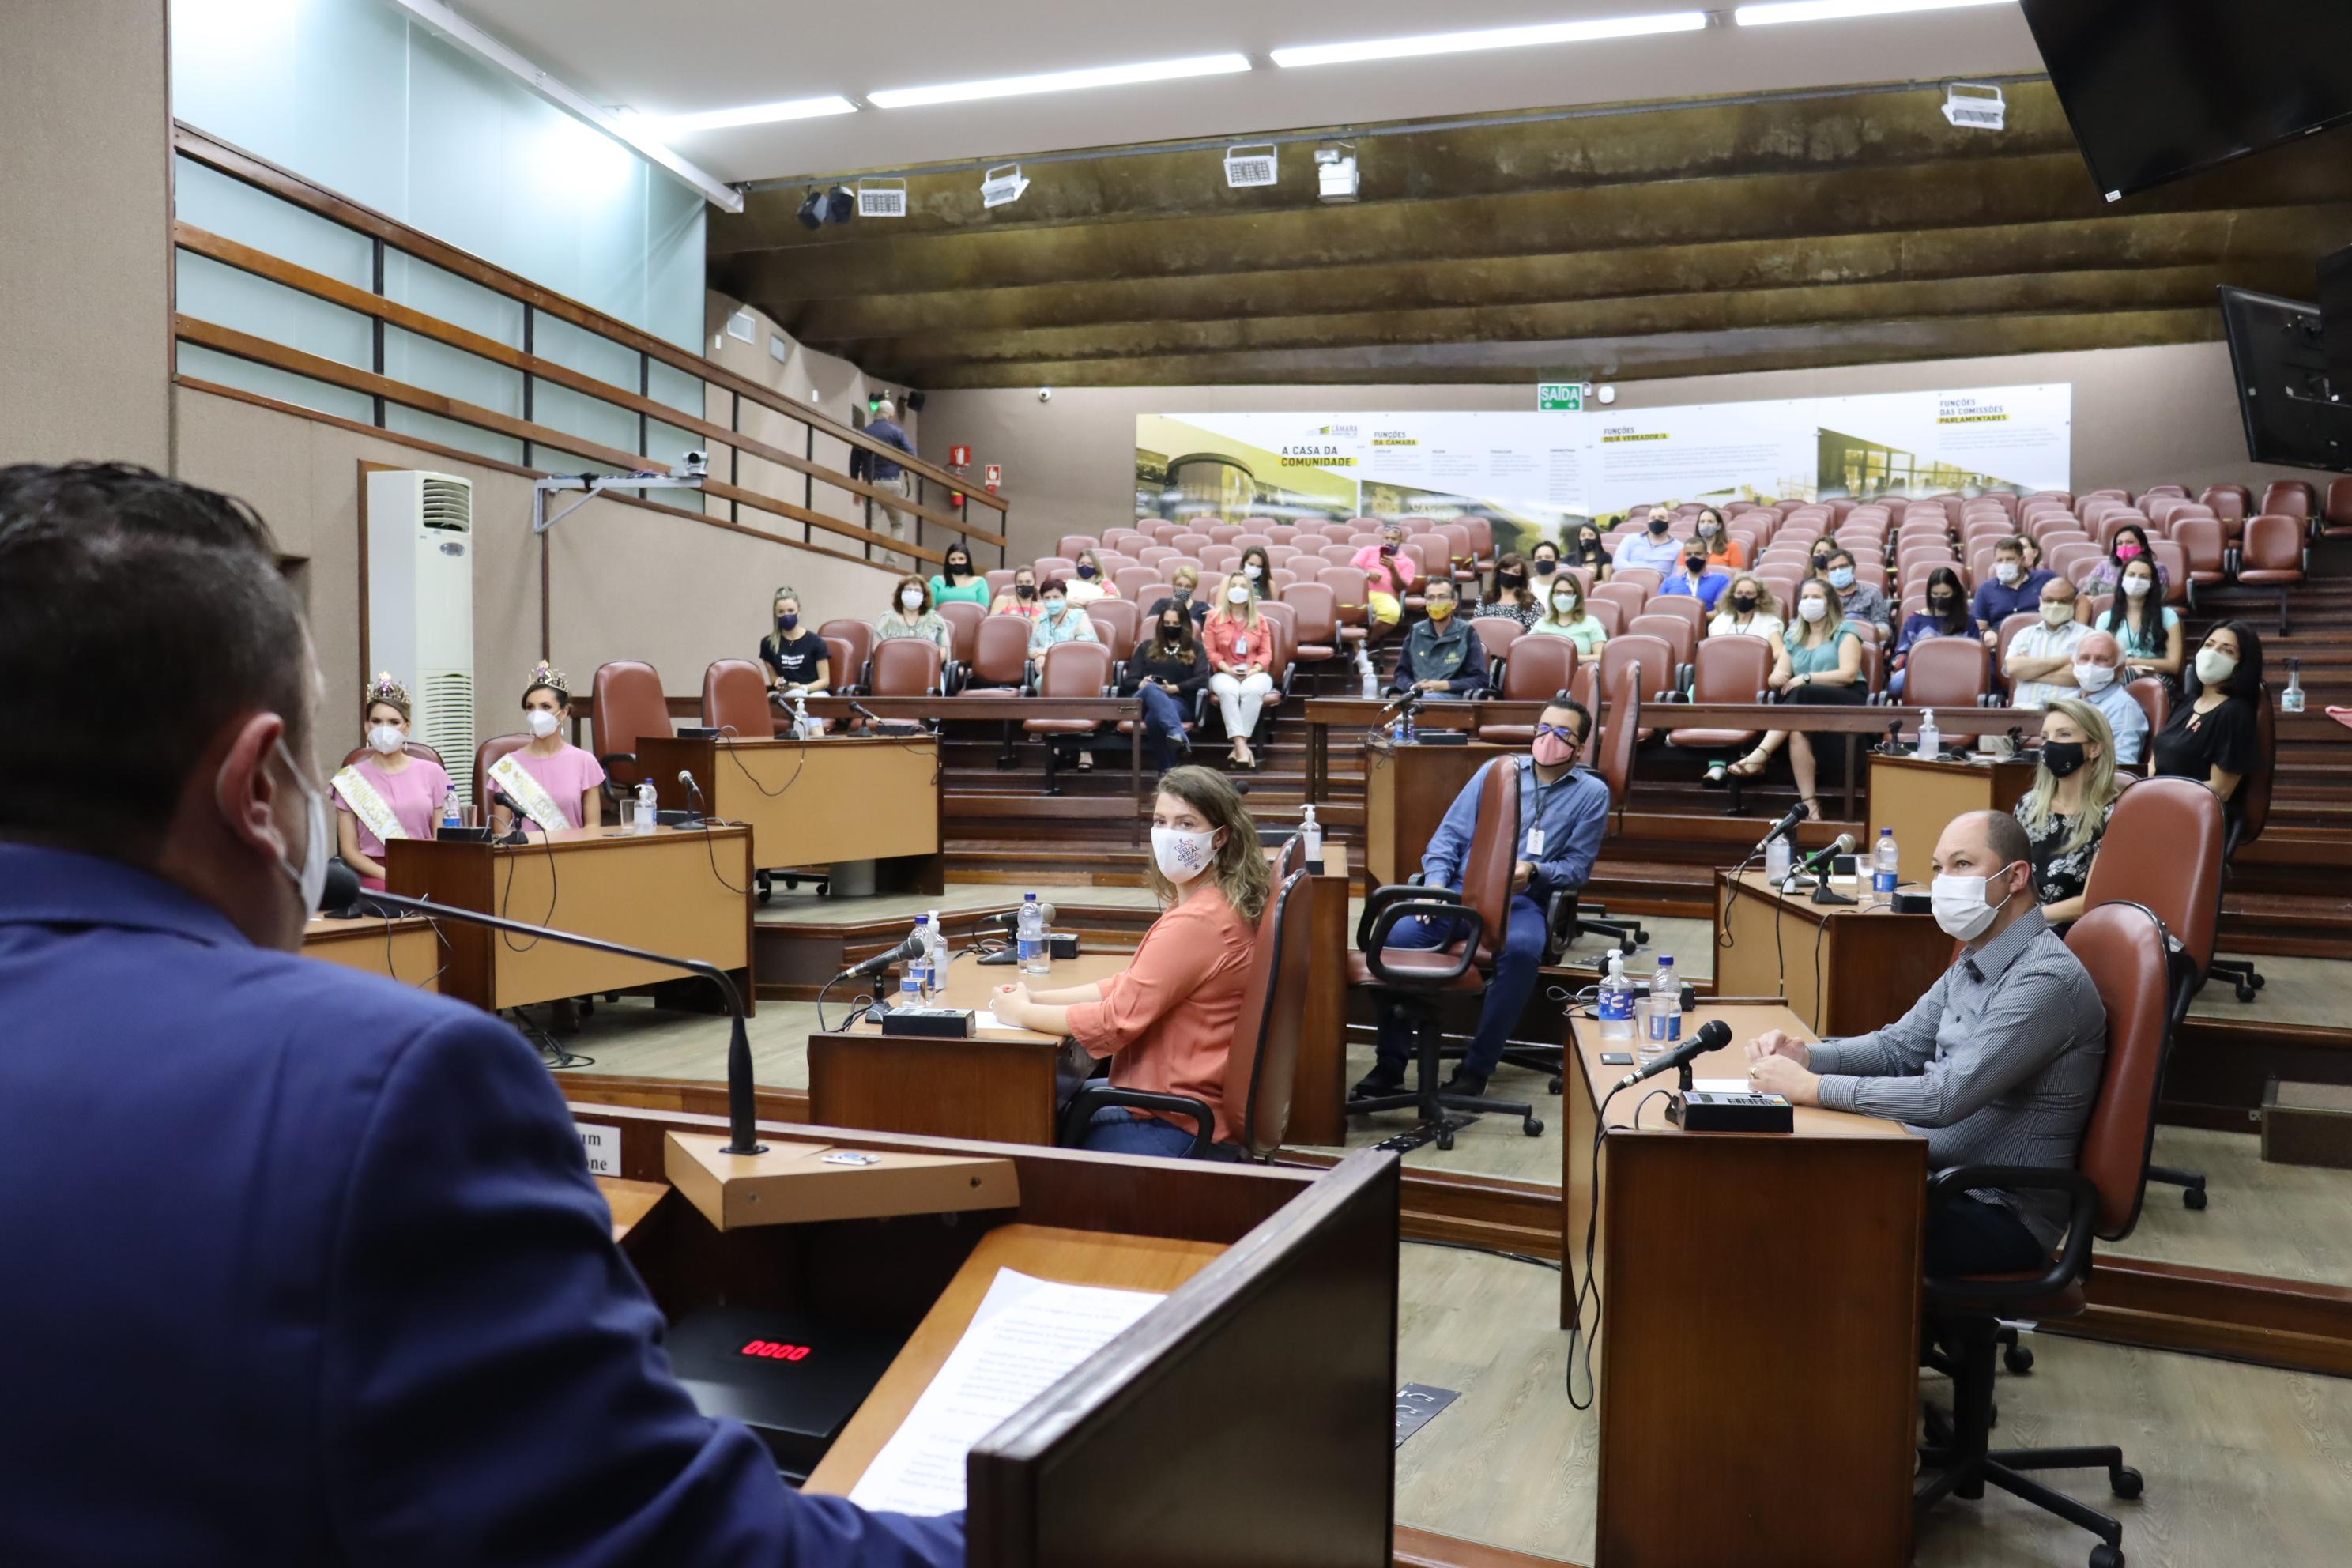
pixel 606 759
pixel 953 677
pixel 1560 922
pixel 1072 1128
pixel 1433 902
pixel 2073 1258
pixel 1382 897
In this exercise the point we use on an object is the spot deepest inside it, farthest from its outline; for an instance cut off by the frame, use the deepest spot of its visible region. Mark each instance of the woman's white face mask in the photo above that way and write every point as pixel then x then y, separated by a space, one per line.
pixel 910 600
pixel 542 721
pixel 385 738
pixel 1181 853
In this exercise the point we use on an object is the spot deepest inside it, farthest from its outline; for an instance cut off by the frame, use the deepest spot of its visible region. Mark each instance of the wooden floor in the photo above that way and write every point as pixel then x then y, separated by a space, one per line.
pixel 2292 1222
pixel 2246 1467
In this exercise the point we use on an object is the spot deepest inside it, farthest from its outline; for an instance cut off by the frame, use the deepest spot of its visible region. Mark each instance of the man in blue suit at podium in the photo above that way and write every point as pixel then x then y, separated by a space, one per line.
pixel 302 1266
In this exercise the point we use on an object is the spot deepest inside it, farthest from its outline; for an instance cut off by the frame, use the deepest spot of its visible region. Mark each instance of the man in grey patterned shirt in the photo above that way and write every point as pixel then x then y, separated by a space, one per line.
pixel 1998 1064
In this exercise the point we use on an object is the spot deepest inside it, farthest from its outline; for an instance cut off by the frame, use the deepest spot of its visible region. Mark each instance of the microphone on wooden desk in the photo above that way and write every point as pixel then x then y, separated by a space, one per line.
pixel 342 889
pixel 1782 828
pixel 1713 1036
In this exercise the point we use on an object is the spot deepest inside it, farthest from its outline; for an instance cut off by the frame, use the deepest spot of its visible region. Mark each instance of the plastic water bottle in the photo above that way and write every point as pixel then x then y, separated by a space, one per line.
pixel 1666 1012
pixel 648 807
pixel 1412 735
pixel 1364 672
pixel 935 955
pixel 1931 740
pixel 1029 932
pixel 2291 699
pixel 452 814
pixel 1885 865
pixel 914 975
pixel 1778 857
pixel 1311 832
pixel 1616 1006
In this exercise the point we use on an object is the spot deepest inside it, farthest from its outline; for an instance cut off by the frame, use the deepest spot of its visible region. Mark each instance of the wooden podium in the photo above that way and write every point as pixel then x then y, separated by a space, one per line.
pixel 1761 1303
pixel 812 803
pixel 1407 790
pixel 1918 799
pixel 679 890
pixel 1844 969
pixel 1200 1437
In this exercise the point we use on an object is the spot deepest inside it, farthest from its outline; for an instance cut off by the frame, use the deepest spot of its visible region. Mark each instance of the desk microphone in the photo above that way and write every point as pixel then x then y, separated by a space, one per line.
pixel 1412 697
pixel 1009 920
pixel 1782 828
pixel 694 792
pixel 1713 1036
pixel 1815 863
pixel 882 961
pixel 742 1116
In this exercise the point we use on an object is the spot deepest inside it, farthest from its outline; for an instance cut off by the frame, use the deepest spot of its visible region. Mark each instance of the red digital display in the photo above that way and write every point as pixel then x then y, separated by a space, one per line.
pixel 773 1350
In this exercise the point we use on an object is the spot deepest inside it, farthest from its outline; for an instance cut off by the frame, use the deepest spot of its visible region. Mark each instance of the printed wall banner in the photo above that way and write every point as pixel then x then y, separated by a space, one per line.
pixel 1531 471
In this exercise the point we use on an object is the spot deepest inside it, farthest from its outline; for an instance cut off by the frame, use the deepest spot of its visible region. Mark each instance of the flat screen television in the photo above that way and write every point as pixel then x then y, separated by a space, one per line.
pixel 2158 88
pixel 2279 359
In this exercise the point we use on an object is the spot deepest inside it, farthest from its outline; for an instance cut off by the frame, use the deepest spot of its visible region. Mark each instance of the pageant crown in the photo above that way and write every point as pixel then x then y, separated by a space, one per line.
pixel 544 674
pixel 385 688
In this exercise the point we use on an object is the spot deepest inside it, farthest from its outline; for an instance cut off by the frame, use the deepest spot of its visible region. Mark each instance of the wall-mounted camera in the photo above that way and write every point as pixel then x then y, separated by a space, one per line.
pixel 697 465
pixel 1044 394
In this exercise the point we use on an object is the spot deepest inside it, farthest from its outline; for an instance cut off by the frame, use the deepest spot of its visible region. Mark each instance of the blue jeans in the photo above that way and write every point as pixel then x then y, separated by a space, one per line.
pixel 1115 1129
pixel 1163 725
pixel 1517 960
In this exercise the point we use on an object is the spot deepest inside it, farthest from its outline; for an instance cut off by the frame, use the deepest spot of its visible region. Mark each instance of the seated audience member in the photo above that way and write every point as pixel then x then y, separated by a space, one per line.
pixel 2030 553
pixel 550 782
pixel 2040 662
pixel 1722 550
pixel 373 1282
pixel 1998 1064
pixel 1821 663
pixel 2099 682
pixel 957 580
pixel 1091 582
pixel 1166 1021
pixel 2210 735
pixel 1584 550
pixel 2065 813
pixel 2011 589
pixel 1168 669
pixel 1442 655
pixel 1257 569
pixel 387 795
pixel 1947 615
pixel 2128 546
pixel 1239 644
pixel 1562 813
pixel 2144 627
pixel 1694 578
pixel 1512 600
pixel 1020 596
pixel 794 657
pixel 1058 620
pixel 1390 574
pixel 1654 546
pixel 1748 609
pixel 1858 600
pixel 1564 616
pixel 1187 595
pixel 1822 549
pixel 911 616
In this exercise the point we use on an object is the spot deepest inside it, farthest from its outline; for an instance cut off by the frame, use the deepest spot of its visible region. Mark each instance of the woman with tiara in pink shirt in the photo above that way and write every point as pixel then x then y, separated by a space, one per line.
pixel 387 793
pixel 550 784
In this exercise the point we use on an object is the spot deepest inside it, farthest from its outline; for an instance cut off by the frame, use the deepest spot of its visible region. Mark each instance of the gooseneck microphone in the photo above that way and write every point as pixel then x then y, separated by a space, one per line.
pixel 882 961
pixel 343 890
pixel 1782 828
pixel 1813 863
pixel 1713 1036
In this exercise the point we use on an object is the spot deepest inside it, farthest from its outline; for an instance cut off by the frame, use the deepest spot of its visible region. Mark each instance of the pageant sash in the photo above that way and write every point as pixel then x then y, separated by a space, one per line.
pixel 528 793
pixel 368 805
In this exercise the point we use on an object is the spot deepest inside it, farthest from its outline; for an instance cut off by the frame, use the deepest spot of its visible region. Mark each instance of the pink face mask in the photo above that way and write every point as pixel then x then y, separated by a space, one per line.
pixel 2126 551
pixel 1552 750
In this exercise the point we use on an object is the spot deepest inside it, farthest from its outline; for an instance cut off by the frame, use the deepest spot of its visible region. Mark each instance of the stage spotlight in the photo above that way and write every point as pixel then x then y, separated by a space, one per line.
pixel 812 213
pixel 1335 171
pixel 841 205
pixel 1002 186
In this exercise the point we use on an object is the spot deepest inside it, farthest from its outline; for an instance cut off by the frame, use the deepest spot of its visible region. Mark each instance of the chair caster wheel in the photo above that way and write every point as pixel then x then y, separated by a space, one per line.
pixel 1446 1140
pixel 2192 1197
pixel 1641 936
pixel 2245 992
pixel 1555 1085
pixel 2259 980
pixel 2125 1483
pixel 1625 945
pixel 1532 1127
pixel 2105 1556
pixel 767 887
pixel 2018 1359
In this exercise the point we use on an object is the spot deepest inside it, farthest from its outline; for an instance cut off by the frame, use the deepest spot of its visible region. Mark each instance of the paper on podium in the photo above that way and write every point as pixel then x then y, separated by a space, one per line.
pixel 1026 1333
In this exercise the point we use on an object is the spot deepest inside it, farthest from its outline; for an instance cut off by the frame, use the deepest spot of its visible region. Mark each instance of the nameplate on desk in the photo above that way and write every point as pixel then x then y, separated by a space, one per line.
pixel 601 1145
pixel 795 1184
pixel 1705 1111
pixel 937 1023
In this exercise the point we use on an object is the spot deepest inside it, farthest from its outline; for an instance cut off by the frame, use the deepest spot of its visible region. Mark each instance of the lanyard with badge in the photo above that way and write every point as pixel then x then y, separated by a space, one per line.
pixel 1533 847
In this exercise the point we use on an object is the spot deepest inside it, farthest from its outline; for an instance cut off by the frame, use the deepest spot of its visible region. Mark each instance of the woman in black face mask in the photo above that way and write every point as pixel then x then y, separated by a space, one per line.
pixel 1021 598
pixel 1167 672
pixel 1512 600
pixel 793 655
pixel 2065 812
pixel 1947 615
pixel 957 580
pixel 1588 551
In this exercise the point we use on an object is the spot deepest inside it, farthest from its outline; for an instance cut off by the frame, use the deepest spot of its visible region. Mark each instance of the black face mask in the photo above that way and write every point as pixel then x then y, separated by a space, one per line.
pixel 1696 564
pixel 2062 757
pixel 786 623
pixel 1591 547
pixel 1745 603
pixel 1183 592
pixel 1657 525
pixel 1512 579
pixel 1025 590
pixel 1171 634
pixel 1941 604
pixel 1546 568
pixel 956 569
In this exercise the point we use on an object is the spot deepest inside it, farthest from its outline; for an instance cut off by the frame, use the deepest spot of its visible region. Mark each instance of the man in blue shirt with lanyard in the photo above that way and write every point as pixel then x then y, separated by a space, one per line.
pixel 305 1265
pixel 1562 815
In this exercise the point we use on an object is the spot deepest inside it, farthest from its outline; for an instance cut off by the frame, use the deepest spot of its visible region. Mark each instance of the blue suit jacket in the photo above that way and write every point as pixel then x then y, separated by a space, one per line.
pixel 298 1265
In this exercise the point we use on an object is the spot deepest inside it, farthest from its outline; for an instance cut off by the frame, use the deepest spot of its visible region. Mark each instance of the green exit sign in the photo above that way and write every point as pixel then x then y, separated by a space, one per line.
pixel 1565 396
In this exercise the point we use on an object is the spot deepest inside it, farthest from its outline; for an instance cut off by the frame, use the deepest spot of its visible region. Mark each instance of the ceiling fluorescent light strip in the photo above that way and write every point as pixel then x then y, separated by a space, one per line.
pixel 1765 16
pixel 1492 39
pixel 752 114
pixel 1058 81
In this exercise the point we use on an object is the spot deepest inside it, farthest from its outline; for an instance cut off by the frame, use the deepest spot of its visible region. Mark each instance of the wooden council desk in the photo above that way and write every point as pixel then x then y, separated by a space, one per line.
pixel 404 949
pixel 685 891
pixel 1760 1316
pixel 1407 790
pixel 817 801
pixel 1918 799
pixel 1843 969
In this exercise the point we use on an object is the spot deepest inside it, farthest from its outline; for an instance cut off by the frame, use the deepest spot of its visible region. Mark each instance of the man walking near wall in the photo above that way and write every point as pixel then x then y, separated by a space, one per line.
pixel 889 476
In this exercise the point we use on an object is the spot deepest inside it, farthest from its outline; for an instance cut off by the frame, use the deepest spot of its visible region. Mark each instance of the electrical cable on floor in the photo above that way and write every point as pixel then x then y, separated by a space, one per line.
pixel 1489 1251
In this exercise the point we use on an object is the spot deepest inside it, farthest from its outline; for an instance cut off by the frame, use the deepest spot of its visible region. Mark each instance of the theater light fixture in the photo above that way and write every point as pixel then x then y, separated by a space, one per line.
pixel 841 205
pixel 751 114
pixel 1765 16
pixel 1058 81
pixel 1335 171
pixel 881 198
pixel 1249 166
pixel 812 213
pixel 1492 38
pixel 1975 106
pixel 1002 186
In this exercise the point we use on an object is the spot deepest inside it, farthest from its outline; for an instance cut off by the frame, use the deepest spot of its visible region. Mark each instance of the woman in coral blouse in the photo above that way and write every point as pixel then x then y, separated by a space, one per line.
pixel 1167 1020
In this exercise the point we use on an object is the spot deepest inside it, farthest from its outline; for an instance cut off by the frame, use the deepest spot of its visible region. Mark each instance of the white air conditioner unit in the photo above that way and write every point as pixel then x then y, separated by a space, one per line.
pixel 420 530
